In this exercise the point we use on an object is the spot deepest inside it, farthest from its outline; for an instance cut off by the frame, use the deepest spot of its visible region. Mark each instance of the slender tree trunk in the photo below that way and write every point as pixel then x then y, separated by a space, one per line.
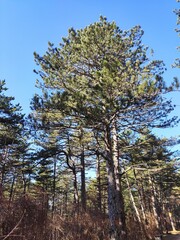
pixel 65 203
pixel 54 187
pixel 76 195
pixel 72 166
pixel 83 182
pixel 2 177
pixel 138 216
pixel 133 201
pixel 24 183
pixel 171 221
pixel 2 180
pixel 12 189
pixel 98 177
pixel 154 205
pixel 140 197
pixel 1 192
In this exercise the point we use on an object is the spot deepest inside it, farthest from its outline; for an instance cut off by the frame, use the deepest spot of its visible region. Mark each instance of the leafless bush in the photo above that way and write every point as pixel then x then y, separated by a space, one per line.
pixel 29 219
pixel 23 219
pixel 87 226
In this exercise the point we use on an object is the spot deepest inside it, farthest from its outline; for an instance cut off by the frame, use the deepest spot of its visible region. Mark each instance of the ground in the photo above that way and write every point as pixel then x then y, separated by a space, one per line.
pixel 172 236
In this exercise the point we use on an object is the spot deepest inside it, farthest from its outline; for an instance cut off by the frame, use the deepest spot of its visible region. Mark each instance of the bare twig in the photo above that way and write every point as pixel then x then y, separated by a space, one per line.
pixel 10 233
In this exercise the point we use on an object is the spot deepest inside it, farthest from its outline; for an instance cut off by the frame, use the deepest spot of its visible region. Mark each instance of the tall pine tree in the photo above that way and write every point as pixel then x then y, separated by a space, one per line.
pixel 102 76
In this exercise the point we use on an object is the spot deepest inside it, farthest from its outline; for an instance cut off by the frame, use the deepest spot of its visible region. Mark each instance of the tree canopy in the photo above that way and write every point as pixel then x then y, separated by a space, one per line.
pixel 102 77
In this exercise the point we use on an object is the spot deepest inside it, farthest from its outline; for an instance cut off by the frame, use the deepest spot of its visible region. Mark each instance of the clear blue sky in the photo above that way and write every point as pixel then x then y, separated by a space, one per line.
pixel 27 25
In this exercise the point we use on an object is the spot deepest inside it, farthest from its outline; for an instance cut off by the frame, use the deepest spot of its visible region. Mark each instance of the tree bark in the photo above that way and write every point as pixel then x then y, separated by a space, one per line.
pixel 54 186
pixel 171 221
pixel 154 205
pixel 83 182
pixel 98 177
pixel 115 198
pixel 133 202
pixel 140 197
pixel 76 195
pixel 12 188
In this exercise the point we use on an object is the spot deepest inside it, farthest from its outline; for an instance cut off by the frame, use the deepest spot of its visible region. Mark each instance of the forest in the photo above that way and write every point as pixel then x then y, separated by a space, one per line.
pixel 86 164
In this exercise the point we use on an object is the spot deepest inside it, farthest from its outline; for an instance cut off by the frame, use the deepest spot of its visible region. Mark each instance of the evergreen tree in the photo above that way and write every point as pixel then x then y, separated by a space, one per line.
pixel 12 143
pixel 177 12
pixel 102 76
pixel 151 168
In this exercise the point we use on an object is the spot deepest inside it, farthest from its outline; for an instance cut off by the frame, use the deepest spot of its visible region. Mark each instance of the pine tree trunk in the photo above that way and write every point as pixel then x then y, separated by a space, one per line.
pixel 133 202
pixel 115 199
pixel 83 182
pixel 12 189
pixel 54 187
pixel 171 221
pixel 2 176
pixel 76 195
pixel 98 177
pixel 138 217
pixel 115 158
pixel 154 205
pixel 140 197
pixel 1 182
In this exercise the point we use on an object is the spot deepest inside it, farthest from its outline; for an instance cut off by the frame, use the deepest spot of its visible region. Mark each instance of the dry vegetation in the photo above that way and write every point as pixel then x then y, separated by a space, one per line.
pixel 27 219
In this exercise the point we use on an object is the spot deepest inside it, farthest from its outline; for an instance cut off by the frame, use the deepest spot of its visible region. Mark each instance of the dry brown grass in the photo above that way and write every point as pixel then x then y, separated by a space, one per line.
pixel 28 219
pixel 83 226
pixel 23 219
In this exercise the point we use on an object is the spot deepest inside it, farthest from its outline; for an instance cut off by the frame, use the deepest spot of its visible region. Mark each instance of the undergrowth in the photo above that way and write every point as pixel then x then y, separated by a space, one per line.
pixel 28 219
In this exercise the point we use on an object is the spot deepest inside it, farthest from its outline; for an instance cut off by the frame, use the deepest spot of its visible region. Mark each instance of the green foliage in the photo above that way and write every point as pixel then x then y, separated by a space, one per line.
pixel 100 72
pixel 177 12
pixel 13 144
pixel 11 120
